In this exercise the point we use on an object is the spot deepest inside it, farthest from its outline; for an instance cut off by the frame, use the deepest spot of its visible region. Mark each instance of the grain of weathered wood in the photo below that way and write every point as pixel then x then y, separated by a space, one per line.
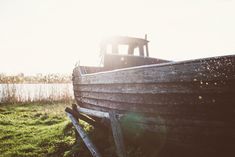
pixel 181 128
pixel 79 116
pixel 154 88
pixel 189 112
pixel 84 137
pixel 95 113
pixel 190 102
pixel 203 70
pixel 184 108
pixel 117 134
pixel 162 121
pixel 162 99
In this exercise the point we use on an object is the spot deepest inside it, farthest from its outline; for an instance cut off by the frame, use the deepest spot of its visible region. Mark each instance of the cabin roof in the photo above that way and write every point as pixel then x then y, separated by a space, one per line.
pixel 125 40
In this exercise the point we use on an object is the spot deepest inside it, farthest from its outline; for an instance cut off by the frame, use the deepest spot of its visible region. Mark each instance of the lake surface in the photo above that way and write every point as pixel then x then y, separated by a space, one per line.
pixel 35 92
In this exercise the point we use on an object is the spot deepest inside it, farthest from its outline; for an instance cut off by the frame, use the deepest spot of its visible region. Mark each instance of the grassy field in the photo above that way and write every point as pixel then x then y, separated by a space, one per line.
pixel 35 130
pixel 44 130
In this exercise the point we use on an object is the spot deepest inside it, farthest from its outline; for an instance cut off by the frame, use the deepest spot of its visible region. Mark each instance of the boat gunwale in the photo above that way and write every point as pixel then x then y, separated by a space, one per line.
pixel 170 63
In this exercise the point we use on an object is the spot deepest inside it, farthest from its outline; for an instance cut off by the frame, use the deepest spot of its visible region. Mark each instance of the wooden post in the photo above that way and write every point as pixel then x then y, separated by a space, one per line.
pixel 147 50
pixel 146 46
pixel 117 134
pixel 84 136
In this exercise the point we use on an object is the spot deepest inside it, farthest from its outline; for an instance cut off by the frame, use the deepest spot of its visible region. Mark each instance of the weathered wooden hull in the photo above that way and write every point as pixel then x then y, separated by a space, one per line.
pixel 191 102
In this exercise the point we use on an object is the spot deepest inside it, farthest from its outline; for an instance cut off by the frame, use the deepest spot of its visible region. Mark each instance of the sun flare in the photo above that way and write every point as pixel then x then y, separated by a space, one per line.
pixel 52 36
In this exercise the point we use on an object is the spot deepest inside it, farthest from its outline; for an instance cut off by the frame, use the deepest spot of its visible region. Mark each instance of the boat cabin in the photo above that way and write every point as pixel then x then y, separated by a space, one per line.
pixel 122 52
pixel 125 45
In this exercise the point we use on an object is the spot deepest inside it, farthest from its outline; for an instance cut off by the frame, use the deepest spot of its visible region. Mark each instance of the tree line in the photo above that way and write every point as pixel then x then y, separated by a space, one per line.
pixel 37 78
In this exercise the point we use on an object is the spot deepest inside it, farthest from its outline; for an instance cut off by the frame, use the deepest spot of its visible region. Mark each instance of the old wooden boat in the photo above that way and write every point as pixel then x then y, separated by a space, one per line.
pixel 191 103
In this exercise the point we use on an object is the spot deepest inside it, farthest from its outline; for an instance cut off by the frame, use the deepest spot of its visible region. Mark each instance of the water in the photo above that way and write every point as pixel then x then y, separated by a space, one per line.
pixel 35 92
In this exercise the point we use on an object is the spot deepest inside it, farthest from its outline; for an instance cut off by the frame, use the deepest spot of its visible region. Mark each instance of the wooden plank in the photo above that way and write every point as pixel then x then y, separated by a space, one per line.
pixel 95 113
pixel 92 69
pixel 208 130
pixel 84 136
pixel 210 107
pixel 155 88
pixel 162 121
pixel 219 69
pixel 221 119
pixel 183 122
pixel 77 115
pixel 117 134
pixel 162 75
pixel 162 99
pixel 179 129
pixel 177 112
pixel 191 132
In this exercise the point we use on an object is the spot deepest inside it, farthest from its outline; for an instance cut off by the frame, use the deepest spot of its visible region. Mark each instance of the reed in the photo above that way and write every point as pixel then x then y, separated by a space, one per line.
pixel 41 93
pixel 37 78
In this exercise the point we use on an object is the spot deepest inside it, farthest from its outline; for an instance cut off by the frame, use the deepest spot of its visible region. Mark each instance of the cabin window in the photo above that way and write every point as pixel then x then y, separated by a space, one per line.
pixel 141 50
pixel 109 49
pixel 136 51
pixel 123 49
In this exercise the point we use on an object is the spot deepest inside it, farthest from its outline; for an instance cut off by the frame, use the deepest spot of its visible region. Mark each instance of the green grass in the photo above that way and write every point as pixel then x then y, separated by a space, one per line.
pixel 44 130
pixel 35 130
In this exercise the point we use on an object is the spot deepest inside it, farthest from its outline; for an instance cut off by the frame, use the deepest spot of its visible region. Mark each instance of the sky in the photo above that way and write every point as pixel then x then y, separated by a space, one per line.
pixel 51 36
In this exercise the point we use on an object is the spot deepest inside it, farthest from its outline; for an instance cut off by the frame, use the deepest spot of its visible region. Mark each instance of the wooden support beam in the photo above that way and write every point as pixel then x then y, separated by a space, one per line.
pixel 84 136
pixel 77 115
pixel 117 134
pixel 95 113
pixel 92 120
